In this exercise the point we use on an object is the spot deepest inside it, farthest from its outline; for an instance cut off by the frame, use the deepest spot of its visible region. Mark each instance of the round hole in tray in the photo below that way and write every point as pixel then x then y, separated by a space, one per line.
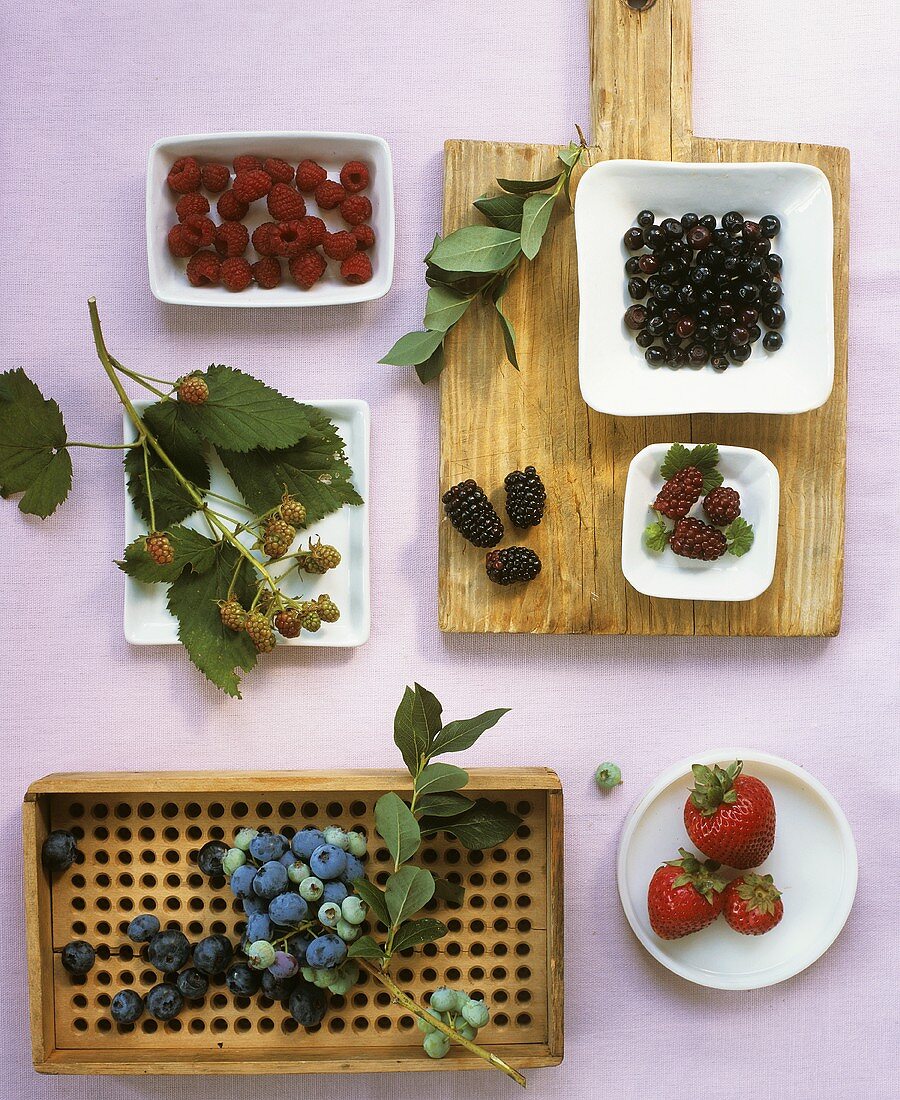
pixel 523 1019
pixel 173 904
pixel 104 1025
pixel 123 834
pixel 309 809
pixel 79 927
pixel 289 1025
pixel 382 999
pixel 102 880
pixel 523 901
pixel 104 904
pixel 499 973
pixel 429 950
pixel 78 833
pixel 76 809
pixel 266 1024
pixel 523 925
pixel 122 811
pixel 287 810
pixel 169 810
pixel 192 810
pixel 453 974
pixel 523 832
pixel 523 996
pixel 334 810
pixel 452 856
pixel 147 856
pixel 499 855
pixel 197 1025
pixel 429 974
pixel 79 903
pixel 501 1019
pixel 523 878
pixel 242 1024
pixel 429 855
pixel 79 1000
pixel 103 928
pixel 477 879
pixel 500 996
pixel 193 832
pixel 170 833
pixel 149 1027
pixel 523 855
pixel 501 924
pixel 501 950
pixel 172 880
pixel 171 855
pixel 360 1023
pixel 219 927
pixel 500 878
pixel 475 858
pixel 80 1024
pixel 454 924
pixel 263 809
pixel 103 857
pixel 523 809
pixel 100 810
pixel 194 880
pixel 336 1024
pixel 357 808
pixel 219 1025
pixel 360 1000
pixel 523 950
pixel 476 949
pixel 453 949
pixel 146 810
pixel 126 951
pixel 216 810
pixel 240 809
pixel 147 834
pixel 476 901
pixel 101 833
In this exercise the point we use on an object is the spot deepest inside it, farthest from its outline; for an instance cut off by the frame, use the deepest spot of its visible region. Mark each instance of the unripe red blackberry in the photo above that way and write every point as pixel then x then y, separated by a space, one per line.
pixel 159 548
pixel 525 497
pixel 233 615
pixel 680 493
pixel 193 390
pixel 288 623
pixel 260 630
pixel 722 506
pixel 692 538
pixel 515 563
pixel 472 514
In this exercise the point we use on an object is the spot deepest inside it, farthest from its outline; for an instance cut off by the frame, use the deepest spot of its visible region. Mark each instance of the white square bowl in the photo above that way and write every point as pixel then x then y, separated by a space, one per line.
pixel 614 375
pixel 665 575
pixel 149 622
pixel 168 280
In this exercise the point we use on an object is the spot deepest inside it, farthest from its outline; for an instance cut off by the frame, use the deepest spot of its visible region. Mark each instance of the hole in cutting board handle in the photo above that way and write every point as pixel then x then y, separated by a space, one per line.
pixel 639 5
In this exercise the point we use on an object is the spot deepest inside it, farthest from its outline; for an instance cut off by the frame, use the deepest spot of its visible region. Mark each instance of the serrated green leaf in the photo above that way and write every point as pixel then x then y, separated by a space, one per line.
pixel 656 536
pixel 439 778
pixel 477 248
pixel 535 219
pixel 705 456
pixel 527 187
pixel 463 734
pixel 448 804
pixel 374 898
pixel 397 827
pixel 365 948
pixel 484 825
pixel 192 551
pixel 505 211
pixel 444 307
pixel 33 456
pixel 432 367
pixel 407 891
pixel 509 335
pixel 448 891
pixel 413 348
pixel 414 932
pixel 172 502
pixel 740 537
pixel 676 458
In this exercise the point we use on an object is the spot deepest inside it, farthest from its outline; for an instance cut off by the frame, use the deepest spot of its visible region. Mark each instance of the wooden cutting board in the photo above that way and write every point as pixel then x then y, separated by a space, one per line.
pixel 495 419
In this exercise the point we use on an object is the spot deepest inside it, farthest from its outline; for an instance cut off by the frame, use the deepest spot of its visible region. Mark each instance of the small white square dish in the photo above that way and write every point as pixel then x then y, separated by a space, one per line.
pixel 168 280
pixel 148 620
pixel 614 375
pixel 664 574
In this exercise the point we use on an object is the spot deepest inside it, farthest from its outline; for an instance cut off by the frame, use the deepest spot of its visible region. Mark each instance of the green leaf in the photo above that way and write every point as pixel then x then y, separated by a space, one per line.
pixel 571 154
pixel 407 891
pixel 192 551
pixel 365 948
pixel 413 348
pixel 444 307
pixel 397 827
pixel 509 335
pixel 432 367
pixel 439 778
pixel 173 503
pixel 217 651
pixel 482 826
pixel 466 282
pixel 448 891
pixel 416 723
pixel 414 932
pixel 448 804
pixel 705 456
pixel 374 898
pixel 656 536
pixel 242 413
pixel 463 734
pixel 33 456
pixel 477 248
pixel 526 187
pixel 535 218
pixel 740 537
pixel 505 211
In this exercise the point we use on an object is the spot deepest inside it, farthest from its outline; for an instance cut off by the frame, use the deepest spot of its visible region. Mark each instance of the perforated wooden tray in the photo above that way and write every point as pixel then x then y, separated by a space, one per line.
pixel 138 835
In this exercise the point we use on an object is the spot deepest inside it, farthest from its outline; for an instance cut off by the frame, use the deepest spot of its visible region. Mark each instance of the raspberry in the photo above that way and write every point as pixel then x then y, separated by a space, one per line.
pixel 181 243
pixel 365 236
pixel 316 229
pixel 250 186
pixel 184 176
pixel 357 269
pixel 232 239
pixel 356 209
pixel 200 230
pixel 232 614
pixel 329 557
pixel 525 497
pixel 230 207
pixel 216 177
pixel 267 272
pixel 292 511
pixel 246 163
pixel 278 169
pixel 310 175
pixel 328 610
pixel 262 238
pixel 722 505
pixel 204 269
pixel 692 538
pixel 193 390
pixel 339 246
pixel 159 548
pixel 191 205
pixel 290 238
pixel 330 194
pixel 310 618
pixel 284 203
pixel 514 564
pixel 236 273
pixel 307 268
pixel 680 493
pixel 288 624
pixel 472 514
pixel 355 176
pixel 277 538
pixel 260 630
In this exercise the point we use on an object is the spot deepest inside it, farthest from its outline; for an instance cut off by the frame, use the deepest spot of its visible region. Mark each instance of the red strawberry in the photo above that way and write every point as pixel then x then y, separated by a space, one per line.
pixel 752 904
pixel 730 817
pixel 684 896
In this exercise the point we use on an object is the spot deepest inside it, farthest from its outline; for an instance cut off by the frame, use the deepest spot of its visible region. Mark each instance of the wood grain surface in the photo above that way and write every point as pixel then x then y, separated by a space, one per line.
pixel 495 419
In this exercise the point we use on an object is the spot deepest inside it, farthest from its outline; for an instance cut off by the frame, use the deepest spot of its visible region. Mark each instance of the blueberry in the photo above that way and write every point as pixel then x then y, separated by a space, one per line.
pixel 59 850
pixel 164 1001
pixel 476 1013
pixel 443 999
pixel 305 843
pixel 233 859
pixel 277 989
pixel 259 927
pixel 297 945
pixel 347 931
pixel 143 928
pixel 168 951
pixel 353 869
pixel 287 910
pixel 192 984
pixel 284 966
pixel 77 957
pixel 436 1044
pixel 326 951
pixel 311 889
pixel 267 847
pixel 770 225
pixel 354 910
pixel 426 1027
pixel 288 859
pixel 242 981
pixel 243 837
pixel 772 341
pixel 210 856
pixel 213 954
pixel 329 914
pixel 254 905
pixel 242 881
pixel 270 879
pixel 307 1005
pixel 334 891
pixel 328 862
pixel 297 871
pixel 261 955
pixel 127 1007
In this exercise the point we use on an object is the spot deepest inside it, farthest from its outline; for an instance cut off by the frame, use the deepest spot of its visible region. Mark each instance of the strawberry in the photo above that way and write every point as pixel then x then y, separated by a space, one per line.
pixel 684 896
pixel 730 817
pixel 752 904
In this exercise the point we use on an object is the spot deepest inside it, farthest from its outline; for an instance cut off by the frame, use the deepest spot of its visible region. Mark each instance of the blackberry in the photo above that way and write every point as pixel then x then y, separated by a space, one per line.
pixel 525 497
pixel 328 557
pixel 288 624
pixel 233 615
pixel 277 538
pixel 309 616
pixel 692 538
pixel 515 563
pixel 260 630
pixel 159 548
pixel 328 610
pixel 292 511
pixel 193 390
pixel 722 506
pixel 472 514
pixel 680 493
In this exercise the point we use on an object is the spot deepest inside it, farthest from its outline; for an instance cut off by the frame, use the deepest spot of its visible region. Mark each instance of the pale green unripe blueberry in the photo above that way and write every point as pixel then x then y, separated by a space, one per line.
pixel 354 910
pixel 436 1044
pixel 335 835
pixel 347 931
pixel 462 999
pixel 476 1013
pixel 341 984
pixel 329 914
pixel 351 969
pixel 244 837
pixel 443 1000
pixel 429 1029
pixel 466 1030
pixel 298 871
pixel 311 889
pixel 308 973
pixel 233 859
pixel 322 979
pixel 358 844
pixel 261 954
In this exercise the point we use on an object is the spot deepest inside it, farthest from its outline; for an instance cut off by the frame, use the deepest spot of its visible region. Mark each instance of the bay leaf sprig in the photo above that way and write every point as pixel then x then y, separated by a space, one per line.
pixel 479 261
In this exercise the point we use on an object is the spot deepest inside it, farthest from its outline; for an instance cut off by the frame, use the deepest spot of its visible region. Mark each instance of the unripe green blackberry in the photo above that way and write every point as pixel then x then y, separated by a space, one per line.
pixel 292 511
pixel 277 538
pixel 233 615
pixel 324 555
pixel 309 616
pixel 260 630
pixel 308 564
pixel 159 548
pixel 288 623
pixel 329 612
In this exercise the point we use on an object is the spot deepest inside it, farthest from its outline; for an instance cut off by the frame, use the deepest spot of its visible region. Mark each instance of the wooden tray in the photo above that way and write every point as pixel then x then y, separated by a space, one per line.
pixel 495 419
pixel 139 834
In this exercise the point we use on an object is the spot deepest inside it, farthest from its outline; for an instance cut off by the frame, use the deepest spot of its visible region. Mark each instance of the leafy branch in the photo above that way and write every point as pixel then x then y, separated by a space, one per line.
pixel 478 261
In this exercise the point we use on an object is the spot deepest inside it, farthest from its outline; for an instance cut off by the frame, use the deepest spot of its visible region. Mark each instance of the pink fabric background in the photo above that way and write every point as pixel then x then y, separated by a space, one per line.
pixel 87 88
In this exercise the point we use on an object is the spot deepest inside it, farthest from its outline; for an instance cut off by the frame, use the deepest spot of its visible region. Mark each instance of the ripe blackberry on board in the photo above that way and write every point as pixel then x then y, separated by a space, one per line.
pixel 525 497
pixel 512 565
pixel 472 514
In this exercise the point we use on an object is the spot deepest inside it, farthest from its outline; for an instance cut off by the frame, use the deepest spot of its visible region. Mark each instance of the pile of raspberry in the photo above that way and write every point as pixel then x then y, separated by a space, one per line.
pixel 216 252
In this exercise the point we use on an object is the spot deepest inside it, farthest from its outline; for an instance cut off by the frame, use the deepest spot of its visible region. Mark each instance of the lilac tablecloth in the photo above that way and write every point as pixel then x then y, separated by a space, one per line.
pixel 87 88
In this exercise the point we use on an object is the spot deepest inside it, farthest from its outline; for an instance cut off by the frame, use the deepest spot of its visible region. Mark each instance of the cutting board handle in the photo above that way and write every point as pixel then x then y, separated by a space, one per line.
pixel 641 77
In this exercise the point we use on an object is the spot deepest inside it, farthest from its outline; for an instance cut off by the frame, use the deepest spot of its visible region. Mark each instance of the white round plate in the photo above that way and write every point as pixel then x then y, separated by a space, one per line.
pixel 813 863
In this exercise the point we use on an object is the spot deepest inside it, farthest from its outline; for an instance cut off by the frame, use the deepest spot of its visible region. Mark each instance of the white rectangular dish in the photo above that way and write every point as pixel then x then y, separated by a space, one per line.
pixel 148 620
pixel 168 281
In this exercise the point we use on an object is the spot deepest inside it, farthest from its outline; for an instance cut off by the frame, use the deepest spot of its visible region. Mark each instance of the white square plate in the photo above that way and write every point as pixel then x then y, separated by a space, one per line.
pixel 614 375
pixel 147 619
pixel 665 575
pixel 168 280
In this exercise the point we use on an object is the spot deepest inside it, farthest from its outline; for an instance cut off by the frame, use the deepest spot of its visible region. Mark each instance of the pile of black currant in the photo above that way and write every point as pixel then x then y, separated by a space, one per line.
pixel 703 290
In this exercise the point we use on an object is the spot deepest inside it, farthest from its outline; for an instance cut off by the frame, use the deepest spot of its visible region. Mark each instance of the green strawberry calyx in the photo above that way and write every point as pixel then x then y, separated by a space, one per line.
pixel 758 891
pixel 714 787
pixel 699 875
